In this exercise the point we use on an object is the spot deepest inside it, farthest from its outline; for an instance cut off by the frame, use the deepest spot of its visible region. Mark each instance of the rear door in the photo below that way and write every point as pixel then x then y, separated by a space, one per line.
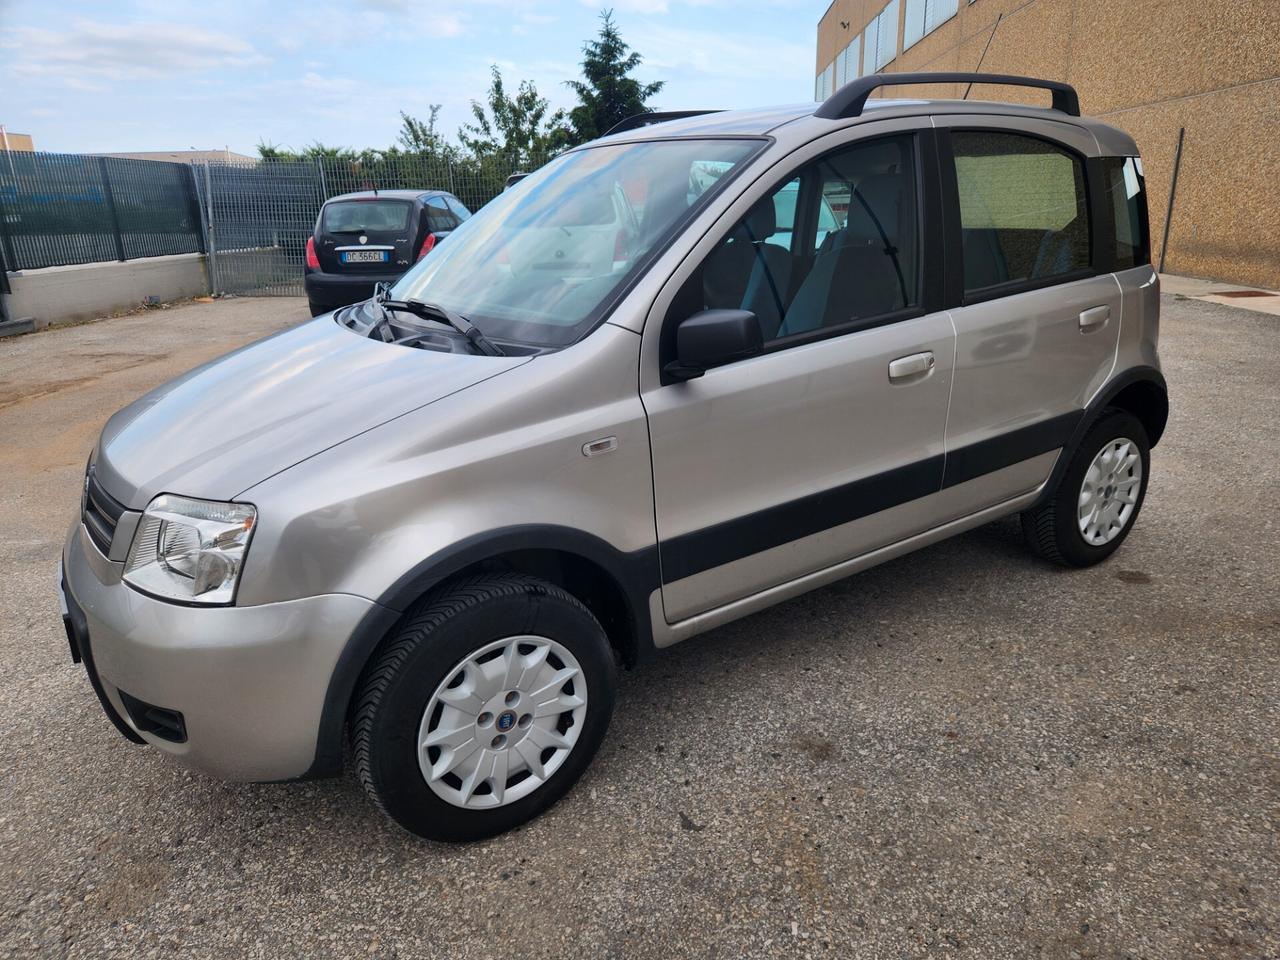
pixel 366 235
pixel 1039 311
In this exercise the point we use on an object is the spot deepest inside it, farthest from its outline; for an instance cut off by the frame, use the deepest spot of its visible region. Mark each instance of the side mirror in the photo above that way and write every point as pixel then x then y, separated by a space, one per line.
pixel 712 338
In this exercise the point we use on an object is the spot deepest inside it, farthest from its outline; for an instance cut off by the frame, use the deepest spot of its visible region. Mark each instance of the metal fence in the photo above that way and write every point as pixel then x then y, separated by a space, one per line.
pixel 58 209
pixel 253 219
pixel 259 216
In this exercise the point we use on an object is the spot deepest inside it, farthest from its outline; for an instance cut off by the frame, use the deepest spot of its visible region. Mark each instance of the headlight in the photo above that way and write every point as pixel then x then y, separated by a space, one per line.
pixel 190 550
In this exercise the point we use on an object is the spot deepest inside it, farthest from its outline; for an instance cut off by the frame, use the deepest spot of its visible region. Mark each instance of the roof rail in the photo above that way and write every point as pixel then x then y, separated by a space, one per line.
pixel 849 100
pixel 644 119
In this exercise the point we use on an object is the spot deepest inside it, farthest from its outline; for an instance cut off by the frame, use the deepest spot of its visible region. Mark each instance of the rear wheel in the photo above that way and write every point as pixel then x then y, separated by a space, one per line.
pixel 484 707
pixel 316 309
pixel 1098 498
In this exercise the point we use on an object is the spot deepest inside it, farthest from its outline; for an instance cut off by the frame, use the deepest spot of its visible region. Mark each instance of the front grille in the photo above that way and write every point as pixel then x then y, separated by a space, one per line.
pixel 101 513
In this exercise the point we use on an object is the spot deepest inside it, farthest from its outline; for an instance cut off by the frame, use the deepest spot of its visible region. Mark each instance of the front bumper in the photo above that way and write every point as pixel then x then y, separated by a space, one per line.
pixel 249 682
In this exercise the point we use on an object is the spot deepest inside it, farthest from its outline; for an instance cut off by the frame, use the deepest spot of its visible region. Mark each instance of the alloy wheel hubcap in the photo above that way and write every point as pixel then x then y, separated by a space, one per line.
pixel 503 720
pixel 1109 493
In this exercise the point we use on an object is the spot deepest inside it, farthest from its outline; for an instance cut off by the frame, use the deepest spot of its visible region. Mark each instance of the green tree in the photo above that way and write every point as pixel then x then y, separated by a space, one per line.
pixel 421 137
pixel 271 152
pixel 520 129
pixel 606 94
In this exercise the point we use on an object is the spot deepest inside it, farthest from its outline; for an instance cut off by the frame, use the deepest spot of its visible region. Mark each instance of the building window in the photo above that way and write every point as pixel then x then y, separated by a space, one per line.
pixel 824 85
pixel 924 17
pixel 881 43
pixel 847 63
pixel 855 57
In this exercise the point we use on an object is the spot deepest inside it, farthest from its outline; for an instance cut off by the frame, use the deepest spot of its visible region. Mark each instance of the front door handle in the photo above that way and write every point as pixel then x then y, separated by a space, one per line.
pixel 904 368
pixel 1095 318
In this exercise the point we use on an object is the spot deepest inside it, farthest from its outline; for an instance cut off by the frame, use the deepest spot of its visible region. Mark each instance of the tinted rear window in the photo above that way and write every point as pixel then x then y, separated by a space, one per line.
pixel 1023 210
pixel 1124 186
pixel 365 216
pixel 439 217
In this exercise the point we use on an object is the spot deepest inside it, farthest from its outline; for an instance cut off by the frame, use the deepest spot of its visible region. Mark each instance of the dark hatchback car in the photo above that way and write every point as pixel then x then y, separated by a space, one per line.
pixel 362 239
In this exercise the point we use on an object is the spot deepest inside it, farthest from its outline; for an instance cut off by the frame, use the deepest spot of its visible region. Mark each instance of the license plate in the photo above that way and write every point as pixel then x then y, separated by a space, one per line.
pixel 364 256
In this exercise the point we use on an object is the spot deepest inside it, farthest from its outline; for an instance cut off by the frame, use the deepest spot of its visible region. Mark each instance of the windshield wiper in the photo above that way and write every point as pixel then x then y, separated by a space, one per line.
pixel 431 311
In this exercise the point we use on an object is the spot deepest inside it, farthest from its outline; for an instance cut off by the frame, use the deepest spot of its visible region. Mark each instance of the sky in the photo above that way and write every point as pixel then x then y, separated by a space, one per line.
pixel 86 76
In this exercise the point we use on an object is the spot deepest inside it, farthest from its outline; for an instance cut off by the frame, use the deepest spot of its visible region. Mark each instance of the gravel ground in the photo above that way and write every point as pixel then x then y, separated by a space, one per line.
pixel 962 751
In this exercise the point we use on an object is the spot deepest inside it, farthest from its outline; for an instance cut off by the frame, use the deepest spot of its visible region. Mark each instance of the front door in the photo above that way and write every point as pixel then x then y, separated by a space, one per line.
pixel 830 443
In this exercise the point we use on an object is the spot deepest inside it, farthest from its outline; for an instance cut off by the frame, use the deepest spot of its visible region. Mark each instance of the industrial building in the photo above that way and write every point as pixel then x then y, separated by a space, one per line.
pixel 1150 67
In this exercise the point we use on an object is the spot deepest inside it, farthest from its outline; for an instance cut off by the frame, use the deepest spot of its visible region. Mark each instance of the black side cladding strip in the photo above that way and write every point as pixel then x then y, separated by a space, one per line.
pixel 701 550
pixel 996 453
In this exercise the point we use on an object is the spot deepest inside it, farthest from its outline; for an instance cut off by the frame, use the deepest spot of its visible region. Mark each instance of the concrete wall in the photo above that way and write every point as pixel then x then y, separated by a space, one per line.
pixel 1148 67
pixel 56 295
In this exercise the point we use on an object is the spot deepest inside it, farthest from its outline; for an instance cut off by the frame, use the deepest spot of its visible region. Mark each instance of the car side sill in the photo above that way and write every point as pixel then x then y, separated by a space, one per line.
pixel 666 635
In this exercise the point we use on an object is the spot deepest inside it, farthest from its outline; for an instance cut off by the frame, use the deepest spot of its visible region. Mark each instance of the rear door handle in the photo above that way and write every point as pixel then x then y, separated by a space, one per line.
pixel 1095 318
pixel 904 368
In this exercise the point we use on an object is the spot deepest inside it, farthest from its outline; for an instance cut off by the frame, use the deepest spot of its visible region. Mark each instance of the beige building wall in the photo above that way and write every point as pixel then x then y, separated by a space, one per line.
pixel 1148 67
pixel 17 142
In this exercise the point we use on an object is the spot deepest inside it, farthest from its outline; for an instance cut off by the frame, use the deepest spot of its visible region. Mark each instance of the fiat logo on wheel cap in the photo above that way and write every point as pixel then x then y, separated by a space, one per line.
pixel 506 720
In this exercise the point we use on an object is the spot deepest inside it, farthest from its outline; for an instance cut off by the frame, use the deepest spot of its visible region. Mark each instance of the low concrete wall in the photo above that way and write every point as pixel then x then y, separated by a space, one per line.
pixel 86 291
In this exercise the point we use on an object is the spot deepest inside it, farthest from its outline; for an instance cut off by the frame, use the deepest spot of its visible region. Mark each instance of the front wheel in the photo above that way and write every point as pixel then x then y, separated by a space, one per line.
pixel 484 707
pixel 1096 502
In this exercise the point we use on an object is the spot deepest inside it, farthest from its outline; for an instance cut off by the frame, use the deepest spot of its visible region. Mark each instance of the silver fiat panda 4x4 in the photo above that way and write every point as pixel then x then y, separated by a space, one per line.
pixel 681 373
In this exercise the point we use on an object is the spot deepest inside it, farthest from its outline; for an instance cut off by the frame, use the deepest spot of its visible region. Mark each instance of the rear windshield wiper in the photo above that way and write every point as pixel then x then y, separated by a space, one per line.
pixel 431 311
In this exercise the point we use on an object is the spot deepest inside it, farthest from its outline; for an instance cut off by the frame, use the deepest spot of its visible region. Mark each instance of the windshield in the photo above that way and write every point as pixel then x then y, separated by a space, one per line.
pixel 542 262
pixel 365 216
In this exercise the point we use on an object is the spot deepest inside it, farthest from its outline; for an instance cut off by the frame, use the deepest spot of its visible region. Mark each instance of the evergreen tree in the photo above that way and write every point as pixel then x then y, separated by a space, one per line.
pixel 606 94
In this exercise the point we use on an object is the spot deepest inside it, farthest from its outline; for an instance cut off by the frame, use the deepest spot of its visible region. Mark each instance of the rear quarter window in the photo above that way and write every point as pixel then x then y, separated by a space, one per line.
pixel 1126 196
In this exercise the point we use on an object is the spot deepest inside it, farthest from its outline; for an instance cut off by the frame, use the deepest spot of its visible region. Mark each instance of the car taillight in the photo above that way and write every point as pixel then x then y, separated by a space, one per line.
pixel 427 245
pixel 313 262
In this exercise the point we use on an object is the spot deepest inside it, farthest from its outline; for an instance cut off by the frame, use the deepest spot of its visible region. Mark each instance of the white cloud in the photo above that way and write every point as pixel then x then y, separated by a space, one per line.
pixel 88 53
pixel 671 50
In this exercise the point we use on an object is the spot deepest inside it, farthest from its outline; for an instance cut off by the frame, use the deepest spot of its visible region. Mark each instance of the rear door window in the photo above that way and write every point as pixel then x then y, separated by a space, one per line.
pixel 1023 209
pixel 459 211
pixel 365 216
pixel 440 219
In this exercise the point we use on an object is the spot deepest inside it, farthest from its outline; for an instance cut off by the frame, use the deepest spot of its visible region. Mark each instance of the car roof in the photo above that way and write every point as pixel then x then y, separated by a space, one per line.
pixel 390 195
pixel 764 121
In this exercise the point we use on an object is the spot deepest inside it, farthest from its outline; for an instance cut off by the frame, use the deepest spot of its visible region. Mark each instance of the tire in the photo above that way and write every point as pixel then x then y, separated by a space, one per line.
pixel 423 683
pixel 316 309
pixel 1053 529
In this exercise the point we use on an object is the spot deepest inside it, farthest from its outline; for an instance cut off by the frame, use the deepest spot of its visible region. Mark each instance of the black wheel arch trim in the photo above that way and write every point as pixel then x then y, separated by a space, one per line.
pixel 635 573
pixel 1103 399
